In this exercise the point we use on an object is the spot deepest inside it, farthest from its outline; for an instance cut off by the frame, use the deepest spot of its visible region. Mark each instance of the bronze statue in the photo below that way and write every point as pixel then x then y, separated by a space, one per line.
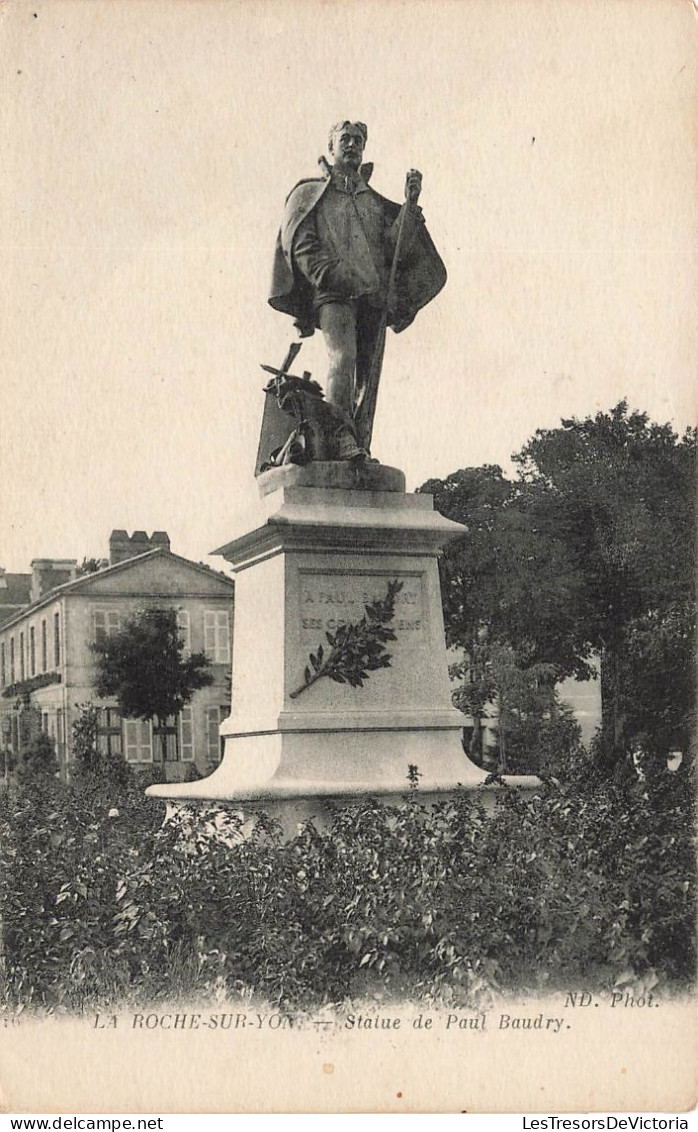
pixel 351 262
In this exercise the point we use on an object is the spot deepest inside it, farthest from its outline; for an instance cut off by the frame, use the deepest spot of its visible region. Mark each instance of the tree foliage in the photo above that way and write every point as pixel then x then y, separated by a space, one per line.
pixel 622 490
pixel 491 577
pixel 590 551
pixel 144 667
pixel 536 732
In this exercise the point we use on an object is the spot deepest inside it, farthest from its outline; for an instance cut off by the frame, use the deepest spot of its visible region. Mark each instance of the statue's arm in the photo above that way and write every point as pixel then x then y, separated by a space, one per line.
pixel 412 223
pixel 409 219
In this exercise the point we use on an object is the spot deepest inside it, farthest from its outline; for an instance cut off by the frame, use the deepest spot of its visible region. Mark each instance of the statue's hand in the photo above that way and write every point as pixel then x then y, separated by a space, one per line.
pixel 413 186
pixel 341 280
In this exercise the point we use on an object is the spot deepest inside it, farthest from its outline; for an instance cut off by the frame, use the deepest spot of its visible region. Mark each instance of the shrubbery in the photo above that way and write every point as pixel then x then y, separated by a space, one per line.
pixel 580 883
pixel 37 760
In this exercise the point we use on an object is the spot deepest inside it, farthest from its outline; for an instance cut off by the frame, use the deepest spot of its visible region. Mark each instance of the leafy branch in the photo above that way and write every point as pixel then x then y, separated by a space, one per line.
pixel 356 648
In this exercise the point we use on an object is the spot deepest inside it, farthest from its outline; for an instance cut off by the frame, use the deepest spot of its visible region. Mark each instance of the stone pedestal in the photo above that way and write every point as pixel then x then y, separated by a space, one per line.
pixel 327 539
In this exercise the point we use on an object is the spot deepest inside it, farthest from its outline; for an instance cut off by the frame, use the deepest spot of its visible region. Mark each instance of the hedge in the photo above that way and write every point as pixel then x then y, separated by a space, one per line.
pixel 582 883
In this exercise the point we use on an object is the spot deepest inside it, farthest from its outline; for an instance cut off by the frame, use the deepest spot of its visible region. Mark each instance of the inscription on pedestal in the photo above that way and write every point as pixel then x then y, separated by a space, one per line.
pixel 330 600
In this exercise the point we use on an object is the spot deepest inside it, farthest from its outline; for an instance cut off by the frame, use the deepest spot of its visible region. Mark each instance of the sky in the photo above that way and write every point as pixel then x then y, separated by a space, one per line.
pixel 148 147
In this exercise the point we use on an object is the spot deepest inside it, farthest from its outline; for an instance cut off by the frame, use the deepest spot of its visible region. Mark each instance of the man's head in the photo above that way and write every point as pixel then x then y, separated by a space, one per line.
pixel 346 144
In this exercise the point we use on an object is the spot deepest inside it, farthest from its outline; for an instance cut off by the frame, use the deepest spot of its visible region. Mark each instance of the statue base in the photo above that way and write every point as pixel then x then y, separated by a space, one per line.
pixel 327 540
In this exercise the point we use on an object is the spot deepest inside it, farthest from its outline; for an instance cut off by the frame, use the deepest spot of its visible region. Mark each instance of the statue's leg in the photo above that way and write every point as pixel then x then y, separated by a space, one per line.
pixel 370 342
pixel 338 325
pixel 370 337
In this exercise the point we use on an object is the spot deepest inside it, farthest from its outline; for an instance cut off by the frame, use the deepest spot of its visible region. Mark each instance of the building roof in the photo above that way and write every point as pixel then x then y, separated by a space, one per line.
pixel 15 594
pixel 86 582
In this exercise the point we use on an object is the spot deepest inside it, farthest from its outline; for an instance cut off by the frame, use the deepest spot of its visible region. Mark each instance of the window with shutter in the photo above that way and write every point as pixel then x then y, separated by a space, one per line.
pixel 223 637
pixel 138 741
pixel 214 743
pixel 217 635
pixel 109 737
pixel 105 622
pixel 186 734
pixel 99 625
pixel 210 634
pixel 184 627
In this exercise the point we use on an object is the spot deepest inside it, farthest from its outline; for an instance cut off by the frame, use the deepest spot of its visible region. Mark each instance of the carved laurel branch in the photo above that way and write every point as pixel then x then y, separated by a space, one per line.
pixel 357 648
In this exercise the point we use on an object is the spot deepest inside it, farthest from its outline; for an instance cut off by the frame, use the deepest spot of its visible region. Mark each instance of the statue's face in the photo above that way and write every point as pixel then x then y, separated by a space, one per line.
pixel 347 147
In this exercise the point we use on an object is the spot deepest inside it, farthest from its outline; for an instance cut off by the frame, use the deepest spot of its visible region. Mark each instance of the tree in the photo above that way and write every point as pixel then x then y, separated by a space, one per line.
pixel 621 491
pixel 509 597
pixel 656 677
pixel 491 577
pixel 589 551
pixel 470 565
pixel 143 666
pixel 536 732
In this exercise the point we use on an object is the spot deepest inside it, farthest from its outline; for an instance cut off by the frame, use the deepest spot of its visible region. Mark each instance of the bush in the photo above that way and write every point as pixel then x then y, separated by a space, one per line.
pixel 37 760
pixel 92 766
pixel 536 731
pixel 585 882
pixel 60 853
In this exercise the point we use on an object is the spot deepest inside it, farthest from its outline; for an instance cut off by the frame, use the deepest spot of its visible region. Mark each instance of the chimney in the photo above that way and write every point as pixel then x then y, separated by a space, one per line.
pixel 122 546
pixel 140 543
pixel 119 547
pixel 160 539
pixel 47 573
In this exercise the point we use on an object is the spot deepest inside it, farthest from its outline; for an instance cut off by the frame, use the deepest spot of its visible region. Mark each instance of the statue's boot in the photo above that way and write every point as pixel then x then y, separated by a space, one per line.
pixel 346 444
pixel 348 448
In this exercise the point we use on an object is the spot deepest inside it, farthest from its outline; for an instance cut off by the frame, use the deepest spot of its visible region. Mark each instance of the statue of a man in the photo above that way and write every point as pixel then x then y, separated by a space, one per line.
pixel 351 263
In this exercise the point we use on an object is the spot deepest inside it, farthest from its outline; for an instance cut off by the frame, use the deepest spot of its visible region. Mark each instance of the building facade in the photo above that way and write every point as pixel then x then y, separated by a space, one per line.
pixel 47 668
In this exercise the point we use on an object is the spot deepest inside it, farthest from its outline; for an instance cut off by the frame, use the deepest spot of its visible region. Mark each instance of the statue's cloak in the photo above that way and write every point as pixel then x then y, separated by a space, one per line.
pixel 421 273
